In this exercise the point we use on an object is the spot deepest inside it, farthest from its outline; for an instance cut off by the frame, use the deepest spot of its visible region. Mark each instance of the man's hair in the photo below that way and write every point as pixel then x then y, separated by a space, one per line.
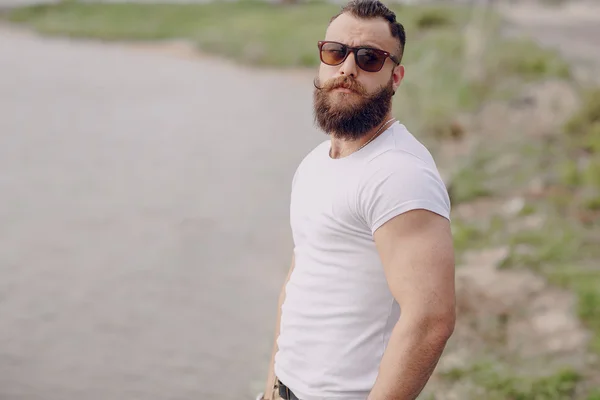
pixel 368 9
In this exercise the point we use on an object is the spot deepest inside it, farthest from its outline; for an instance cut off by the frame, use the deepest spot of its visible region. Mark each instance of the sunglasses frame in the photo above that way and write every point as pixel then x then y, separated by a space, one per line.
pixel 350 49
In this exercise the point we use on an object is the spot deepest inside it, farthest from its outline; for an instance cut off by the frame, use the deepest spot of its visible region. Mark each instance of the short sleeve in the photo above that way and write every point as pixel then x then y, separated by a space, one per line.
pixel 395 188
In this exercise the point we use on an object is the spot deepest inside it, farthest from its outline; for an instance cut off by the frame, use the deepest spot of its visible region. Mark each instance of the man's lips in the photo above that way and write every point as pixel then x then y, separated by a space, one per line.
pixel 344 90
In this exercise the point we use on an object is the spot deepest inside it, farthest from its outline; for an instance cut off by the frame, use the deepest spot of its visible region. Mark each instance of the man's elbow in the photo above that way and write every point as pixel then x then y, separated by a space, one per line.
pixel 436 326
pixel 445 326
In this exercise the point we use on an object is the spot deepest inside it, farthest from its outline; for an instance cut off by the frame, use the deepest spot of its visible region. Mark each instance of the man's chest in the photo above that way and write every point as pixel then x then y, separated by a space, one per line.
pixel 324 209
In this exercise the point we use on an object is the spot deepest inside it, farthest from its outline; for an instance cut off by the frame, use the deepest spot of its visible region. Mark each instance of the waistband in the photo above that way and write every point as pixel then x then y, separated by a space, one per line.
pixel 285 393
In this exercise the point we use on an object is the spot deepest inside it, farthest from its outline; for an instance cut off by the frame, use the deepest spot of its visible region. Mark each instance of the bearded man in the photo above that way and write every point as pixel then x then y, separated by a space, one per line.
pixel 369 302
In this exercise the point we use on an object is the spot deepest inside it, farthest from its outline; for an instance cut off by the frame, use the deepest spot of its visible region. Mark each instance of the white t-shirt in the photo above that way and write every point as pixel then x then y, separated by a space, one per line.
pixel 338 313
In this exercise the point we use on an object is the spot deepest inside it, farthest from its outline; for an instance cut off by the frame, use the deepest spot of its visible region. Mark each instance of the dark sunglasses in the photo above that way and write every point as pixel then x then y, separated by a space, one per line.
pixel 367 58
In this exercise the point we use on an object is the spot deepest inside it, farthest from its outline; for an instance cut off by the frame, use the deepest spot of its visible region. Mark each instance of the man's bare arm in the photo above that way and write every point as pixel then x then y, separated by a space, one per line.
pixel 416 250
pixel 271 374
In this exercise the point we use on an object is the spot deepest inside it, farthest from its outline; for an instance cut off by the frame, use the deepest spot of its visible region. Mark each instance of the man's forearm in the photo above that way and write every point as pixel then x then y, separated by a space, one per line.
pixel 271 378
pixel 271 374
pixel 410 358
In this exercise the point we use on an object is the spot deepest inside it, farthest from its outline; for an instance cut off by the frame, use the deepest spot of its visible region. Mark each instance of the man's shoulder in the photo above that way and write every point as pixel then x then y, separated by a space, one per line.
pixel 402 176
pixel 401 149
pixel 315 153
pixel 402 162
pixel 313 156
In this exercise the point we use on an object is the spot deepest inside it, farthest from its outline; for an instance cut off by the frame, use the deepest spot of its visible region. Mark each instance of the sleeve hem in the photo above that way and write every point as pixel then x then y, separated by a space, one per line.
pixel 408 206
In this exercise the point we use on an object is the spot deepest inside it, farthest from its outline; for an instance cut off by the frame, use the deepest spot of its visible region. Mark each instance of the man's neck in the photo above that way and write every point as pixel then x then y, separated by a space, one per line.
pixel 341 147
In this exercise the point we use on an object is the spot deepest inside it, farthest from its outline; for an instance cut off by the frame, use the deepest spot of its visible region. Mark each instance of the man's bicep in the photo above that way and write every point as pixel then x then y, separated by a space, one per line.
pixel 416 250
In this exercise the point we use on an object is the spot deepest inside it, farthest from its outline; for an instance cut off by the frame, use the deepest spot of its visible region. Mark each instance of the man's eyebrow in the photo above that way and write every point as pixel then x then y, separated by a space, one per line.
pixel 367 43
pixel 370 44
pixel 361 44
pixel 373 46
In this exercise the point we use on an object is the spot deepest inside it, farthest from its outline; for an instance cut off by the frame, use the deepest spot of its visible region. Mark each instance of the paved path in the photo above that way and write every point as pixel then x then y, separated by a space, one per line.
pixel 143 220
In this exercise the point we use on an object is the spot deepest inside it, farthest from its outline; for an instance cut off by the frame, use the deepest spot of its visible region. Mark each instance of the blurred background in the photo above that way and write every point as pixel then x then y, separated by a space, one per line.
pixel 146 157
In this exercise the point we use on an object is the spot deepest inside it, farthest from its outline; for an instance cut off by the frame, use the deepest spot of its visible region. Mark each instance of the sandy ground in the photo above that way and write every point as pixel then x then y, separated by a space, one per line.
pixel 143 220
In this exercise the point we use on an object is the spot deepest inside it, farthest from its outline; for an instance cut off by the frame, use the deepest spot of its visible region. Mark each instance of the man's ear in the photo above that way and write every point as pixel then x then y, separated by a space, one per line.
pixel 397 76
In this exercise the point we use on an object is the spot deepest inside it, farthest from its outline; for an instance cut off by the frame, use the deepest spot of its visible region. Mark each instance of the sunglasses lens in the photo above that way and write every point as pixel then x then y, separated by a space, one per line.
pixel 370 60
pixel 333 53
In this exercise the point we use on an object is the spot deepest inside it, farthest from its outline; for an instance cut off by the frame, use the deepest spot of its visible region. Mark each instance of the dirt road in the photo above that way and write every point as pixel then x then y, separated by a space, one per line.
pixel 143 220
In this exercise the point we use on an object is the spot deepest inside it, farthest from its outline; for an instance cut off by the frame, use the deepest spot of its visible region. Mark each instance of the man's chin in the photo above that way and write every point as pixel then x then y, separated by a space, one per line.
pixel 345 109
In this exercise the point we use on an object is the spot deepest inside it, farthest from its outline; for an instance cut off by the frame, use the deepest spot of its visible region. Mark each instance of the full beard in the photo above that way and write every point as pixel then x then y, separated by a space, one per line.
pixel 355 118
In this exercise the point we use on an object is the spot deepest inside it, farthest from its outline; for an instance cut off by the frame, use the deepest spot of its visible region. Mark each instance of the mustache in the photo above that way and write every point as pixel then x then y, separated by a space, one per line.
pixel 340 82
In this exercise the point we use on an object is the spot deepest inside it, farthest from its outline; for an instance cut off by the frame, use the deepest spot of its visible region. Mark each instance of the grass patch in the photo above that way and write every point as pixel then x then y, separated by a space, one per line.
pixel 253 32
pixel 525 58
pixel 586 120
pixel 257 33
pixel 547 246
pixel 561 251
pixel 594 395
pixel 469 184
pixel 561 242
pixel 434 91
pixel 580 173
pixel 467 236
pixel 500 384
pixel 471 181
pixel 586 284
pixel 433 19
pixel 528 209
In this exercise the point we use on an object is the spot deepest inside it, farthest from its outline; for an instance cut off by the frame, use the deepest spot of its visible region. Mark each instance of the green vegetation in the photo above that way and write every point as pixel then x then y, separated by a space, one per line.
pixel 436 88
pixel 556 233
pixel 253 32
pixel 526 59
pixel 499 384
pixel 583 144
pixel 550 244
pixel 470 180
pixel 587 120
pixel 467 236
pixel 563 252
pixel 594 395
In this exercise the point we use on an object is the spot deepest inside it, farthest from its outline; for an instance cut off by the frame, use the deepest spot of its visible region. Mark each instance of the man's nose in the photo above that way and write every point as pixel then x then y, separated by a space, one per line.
pixel 349 67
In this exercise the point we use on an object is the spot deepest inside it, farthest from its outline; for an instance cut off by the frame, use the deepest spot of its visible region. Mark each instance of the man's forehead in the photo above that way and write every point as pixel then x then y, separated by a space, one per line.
pixel 355 31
